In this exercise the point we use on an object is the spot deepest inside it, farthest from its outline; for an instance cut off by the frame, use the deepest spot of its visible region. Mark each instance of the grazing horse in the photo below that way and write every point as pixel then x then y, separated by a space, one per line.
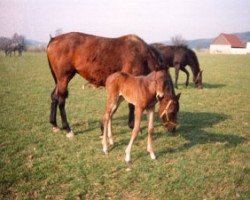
pixel 143 92
pixel 95 58
pixel 13 48
pixel 179 57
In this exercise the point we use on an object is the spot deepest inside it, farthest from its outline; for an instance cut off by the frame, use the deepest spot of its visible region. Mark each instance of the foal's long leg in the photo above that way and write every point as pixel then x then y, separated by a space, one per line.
pixel 150 132
pixel 138 114
pixel 187 73
pixel 106 118
pixel 112 104
pixel 177 68
pixel 112 112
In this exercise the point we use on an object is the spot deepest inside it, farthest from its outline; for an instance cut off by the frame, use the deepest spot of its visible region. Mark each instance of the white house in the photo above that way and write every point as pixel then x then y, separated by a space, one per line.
pixel 229 44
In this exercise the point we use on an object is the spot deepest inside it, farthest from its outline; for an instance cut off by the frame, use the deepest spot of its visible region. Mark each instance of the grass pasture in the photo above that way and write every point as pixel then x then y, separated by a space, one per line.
pixel 207 158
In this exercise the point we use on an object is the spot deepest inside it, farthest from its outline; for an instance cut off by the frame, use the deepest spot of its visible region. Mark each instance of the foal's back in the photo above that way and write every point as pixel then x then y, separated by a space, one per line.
pixel 125 84
pixel 137 90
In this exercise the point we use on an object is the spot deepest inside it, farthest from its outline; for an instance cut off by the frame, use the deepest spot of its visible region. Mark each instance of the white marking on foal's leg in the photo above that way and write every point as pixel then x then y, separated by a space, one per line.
pixel 104 138
pixel 150 150
pixel 70 135
pixel 152 155
pixel 127 155
pixel 104 142
pixel 150 132
pixel 111 142
pixel 105 148
pixel 56 129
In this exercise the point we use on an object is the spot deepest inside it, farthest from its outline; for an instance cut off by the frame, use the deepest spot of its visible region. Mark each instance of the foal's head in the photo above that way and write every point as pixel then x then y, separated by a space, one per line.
pixel 168 109
pixel 160 78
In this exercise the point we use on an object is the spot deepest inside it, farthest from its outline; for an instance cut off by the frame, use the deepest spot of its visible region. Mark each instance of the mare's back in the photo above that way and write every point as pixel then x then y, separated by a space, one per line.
pixel 95 58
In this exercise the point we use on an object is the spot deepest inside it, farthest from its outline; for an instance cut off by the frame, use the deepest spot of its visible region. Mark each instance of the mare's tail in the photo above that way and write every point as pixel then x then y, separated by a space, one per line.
pixel 51 69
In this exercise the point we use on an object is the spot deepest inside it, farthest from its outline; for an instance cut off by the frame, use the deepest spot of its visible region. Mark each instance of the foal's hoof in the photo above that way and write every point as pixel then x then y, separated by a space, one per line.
pixel 152 156
pixel 70 135
pixel 55 129
pixel 105 149
pixel 111 141
pixel 127 158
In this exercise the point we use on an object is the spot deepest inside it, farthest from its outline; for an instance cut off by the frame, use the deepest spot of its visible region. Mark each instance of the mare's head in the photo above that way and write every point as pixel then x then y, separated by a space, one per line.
pixel 198 80
pixel 168 109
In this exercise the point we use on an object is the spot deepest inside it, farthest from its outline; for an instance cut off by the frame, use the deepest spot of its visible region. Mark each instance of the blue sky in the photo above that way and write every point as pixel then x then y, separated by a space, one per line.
pixel 153 20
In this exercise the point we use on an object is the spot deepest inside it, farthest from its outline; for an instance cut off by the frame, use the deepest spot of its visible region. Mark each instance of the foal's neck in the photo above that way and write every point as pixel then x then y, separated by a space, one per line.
pixel 150 82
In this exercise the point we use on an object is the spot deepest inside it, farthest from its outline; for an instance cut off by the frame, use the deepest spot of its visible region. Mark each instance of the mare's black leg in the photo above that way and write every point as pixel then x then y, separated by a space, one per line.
pixel 187 73
pixel 62 100
pixel 131 116
pixel 62 93
pixel 53 110
pixel 177 68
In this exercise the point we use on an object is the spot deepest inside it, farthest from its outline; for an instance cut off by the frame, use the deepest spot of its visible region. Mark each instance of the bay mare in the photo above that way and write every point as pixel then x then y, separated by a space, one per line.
pixel 179 57
pixel 95 58
pixel 143 92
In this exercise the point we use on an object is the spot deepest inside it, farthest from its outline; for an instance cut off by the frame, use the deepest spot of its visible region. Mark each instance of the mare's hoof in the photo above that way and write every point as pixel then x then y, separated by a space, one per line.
pixel 131 125
pixel 55 129
pixel 70 135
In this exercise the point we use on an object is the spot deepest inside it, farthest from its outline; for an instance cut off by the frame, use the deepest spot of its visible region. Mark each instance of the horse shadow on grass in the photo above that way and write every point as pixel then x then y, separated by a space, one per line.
pixel 213 85
pixel 83 127
pixel 205 85
pixel 192 127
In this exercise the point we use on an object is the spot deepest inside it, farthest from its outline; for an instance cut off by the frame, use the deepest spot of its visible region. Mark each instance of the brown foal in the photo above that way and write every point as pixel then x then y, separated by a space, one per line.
pixel 143 92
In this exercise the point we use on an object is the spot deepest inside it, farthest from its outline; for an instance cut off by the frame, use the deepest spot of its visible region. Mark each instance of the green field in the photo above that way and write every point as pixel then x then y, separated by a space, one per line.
pixel 207 158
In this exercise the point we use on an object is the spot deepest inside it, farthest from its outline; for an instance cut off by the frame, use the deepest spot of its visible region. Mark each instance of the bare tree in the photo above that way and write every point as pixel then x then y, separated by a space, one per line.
pixel 4 42
pixel 178 40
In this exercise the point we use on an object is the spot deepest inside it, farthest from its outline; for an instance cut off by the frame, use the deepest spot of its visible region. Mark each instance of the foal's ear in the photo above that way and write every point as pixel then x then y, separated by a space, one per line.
pixel 178 96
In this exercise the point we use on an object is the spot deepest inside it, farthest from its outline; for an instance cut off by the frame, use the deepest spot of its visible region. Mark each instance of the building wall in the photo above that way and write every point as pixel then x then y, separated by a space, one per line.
pixel 226 49
pixel 238 51
pixel 216 48
pixel 248 47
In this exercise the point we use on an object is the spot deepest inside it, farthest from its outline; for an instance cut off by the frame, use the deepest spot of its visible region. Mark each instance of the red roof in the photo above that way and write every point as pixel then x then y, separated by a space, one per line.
pixel 229 39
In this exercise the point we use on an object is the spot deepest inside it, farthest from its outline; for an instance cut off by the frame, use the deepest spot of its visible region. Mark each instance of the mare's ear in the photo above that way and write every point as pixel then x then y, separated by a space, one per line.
pixel 178 96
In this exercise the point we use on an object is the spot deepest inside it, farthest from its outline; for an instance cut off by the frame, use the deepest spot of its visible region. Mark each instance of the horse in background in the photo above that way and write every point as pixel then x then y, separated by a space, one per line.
pixel 95 58
pixel 13 47
pixel 179 57
pixel 143 92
